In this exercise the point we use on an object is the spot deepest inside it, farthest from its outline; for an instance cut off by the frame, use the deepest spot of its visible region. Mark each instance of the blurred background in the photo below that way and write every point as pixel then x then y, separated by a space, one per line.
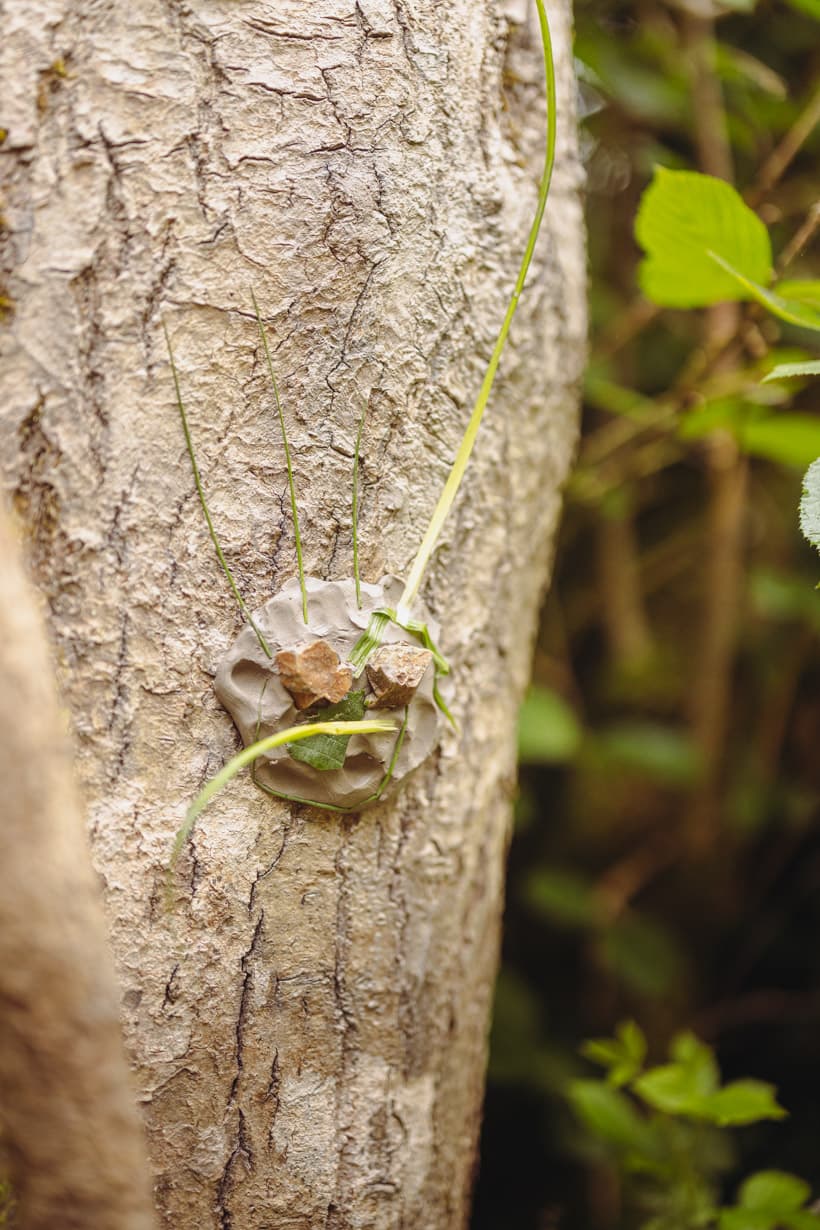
pixel 665 864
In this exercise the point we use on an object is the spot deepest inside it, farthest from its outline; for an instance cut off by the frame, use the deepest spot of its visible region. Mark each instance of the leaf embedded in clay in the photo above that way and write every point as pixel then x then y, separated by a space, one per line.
pixel 326 752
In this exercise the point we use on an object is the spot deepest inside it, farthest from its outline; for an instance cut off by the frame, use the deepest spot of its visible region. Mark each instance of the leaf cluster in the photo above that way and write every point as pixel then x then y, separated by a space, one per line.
pixel 662 1127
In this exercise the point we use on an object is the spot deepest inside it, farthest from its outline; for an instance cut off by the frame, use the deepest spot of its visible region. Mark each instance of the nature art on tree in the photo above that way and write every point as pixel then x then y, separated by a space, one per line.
pixel 256 258
pixel 410 458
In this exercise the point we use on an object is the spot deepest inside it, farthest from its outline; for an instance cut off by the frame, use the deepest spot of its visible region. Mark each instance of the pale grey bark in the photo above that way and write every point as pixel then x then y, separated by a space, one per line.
pixel 309 1027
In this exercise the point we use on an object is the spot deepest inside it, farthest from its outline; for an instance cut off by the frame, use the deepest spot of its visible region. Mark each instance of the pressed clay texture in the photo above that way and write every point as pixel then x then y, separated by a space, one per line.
pixel 252 692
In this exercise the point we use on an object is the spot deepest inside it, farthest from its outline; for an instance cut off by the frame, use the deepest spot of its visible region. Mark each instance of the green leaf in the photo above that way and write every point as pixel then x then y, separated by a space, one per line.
pixel 325 752
pixel 810 504
pixel 564 897
pixel 774 1191
pixel 721 413
pixel 548 730
pixel 768 1200
pixel 683 218
pixel 787 371
pixel 684 1086
pixel 743 1102
pixel 609 1114
pixel 641 954
pixel 791 439
pixel 745 1219
pixel 623 1055
pixel 651 749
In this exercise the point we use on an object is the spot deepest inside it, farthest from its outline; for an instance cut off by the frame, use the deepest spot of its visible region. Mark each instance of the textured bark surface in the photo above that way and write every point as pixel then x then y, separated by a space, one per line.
pixel 309 1026
pixel 70 1128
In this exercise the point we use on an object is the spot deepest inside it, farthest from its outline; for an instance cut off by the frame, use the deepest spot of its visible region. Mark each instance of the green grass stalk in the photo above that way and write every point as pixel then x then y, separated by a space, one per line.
pixel 203 501
pixel 292 486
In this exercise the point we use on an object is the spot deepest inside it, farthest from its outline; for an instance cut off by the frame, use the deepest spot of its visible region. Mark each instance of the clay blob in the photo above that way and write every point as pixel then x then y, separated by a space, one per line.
pixel 250 687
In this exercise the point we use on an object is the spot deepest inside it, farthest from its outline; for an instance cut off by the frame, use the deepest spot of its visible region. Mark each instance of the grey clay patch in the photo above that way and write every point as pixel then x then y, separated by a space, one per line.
pixel 248 685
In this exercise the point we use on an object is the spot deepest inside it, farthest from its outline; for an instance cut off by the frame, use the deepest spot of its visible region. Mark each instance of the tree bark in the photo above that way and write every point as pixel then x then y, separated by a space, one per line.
pixel 309 1025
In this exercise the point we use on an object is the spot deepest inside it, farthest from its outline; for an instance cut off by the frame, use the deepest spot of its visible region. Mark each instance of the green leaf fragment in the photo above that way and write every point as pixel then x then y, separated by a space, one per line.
pixel 685 220
pixel 793 311
pixel 623 1055
pixel 810 505
pixel 791 439
pixel 774 1191
pixel 743 1102
pixel 611 1115
pixel 769 1200
pixel 563 897
pixel 325 752
pixel 790 371
pixel 684 1086
pixel 548 730
pixel 804 290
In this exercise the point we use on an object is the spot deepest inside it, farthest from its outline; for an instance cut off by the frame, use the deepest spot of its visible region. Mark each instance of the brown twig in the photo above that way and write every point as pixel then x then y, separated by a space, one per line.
pixel 781 157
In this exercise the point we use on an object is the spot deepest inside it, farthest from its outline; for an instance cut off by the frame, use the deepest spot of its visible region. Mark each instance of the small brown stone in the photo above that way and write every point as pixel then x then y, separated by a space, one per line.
pixel 394 672
pixel 314 672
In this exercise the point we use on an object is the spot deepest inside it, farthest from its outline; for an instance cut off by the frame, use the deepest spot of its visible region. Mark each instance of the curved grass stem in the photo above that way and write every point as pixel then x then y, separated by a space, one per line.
pixel 249 754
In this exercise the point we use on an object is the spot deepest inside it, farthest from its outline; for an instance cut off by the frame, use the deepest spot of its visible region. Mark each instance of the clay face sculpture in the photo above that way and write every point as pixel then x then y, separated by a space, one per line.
pixel 255 690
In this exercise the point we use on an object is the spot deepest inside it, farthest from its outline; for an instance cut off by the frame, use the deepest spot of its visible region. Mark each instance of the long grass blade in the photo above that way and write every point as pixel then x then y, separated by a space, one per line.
pixel 294 511
pixel 456 474
pixel 203 501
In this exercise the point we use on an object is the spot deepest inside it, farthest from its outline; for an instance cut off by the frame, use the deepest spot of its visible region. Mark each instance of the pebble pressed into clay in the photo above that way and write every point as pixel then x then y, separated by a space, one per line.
pixel 249 686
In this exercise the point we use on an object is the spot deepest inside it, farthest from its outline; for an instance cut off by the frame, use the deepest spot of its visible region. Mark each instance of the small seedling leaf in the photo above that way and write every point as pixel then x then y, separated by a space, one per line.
pixel 683 217
pixel 326 752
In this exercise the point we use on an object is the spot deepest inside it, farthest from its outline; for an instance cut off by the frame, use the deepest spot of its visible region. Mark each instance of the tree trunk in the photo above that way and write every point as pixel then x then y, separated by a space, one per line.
pixel 308 1026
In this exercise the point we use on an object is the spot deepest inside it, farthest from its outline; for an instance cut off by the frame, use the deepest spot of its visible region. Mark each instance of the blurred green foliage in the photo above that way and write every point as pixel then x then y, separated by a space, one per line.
pixel 666 861
pixel 658 1127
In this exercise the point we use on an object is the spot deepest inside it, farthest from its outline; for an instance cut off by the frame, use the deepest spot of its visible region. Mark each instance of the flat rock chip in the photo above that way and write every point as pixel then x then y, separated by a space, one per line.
pixel 314 672
pixel 394 672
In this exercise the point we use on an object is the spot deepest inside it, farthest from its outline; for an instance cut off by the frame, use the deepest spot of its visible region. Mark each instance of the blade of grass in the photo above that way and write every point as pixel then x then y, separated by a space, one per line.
pixel 371 638
pixel 201 493
pixel 334 807
pixel 356 576
pixel 456 474
pixel 294 512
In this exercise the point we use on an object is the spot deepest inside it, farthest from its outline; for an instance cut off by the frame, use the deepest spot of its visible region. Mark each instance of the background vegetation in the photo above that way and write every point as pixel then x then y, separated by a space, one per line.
pixel 666 860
